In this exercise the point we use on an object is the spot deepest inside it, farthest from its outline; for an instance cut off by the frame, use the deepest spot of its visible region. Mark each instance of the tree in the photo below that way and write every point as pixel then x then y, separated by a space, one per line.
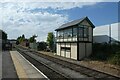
pixel 23 36
pixel 20 39
pixel 50 40
pixel 32 39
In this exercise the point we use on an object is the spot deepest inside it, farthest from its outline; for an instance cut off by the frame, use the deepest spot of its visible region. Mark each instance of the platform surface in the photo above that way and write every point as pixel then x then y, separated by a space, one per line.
pixel 8 69
pixel 24 68
pixel 0 65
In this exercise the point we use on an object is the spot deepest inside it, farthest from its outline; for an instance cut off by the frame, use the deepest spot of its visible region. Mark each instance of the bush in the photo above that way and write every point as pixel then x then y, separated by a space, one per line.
pixel 115 58
pixel 42 46
pixel 103 51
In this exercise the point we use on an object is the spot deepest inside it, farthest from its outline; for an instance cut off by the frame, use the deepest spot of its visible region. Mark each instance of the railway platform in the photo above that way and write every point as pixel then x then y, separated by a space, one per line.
pixel 24 68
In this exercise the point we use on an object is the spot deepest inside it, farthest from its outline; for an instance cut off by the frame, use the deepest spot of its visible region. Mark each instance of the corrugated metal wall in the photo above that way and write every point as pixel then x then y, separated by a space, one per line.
pixel 105 33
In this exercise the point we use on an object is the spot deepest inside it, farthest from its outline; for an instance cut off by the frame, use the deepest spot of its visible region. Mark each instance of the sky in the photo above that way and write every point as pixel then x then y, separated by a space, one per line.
pixel 39 18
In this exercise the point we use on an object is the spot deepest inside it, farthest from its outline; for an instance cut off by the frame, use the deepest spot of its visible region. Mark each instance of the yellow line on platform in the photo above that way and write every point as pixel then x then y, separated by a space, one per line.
pixel 19 68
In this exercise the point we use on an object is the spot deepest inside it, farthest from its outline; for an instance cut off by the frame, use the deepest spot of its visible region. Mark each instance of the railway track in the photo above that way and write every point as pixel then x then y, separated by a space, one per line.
pixel 47 70
pixel 81 69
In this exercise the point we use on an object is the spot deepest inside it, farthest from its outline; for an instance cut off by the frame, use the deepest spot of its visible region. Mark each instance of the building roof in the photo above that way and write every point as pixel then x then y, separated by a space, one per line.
pixel 72 23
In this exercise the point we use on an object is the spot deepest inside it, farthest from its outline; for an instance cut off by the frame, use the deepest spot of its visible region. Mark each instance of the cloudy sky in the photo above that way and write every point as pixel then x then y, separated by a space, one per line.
pixel 17 18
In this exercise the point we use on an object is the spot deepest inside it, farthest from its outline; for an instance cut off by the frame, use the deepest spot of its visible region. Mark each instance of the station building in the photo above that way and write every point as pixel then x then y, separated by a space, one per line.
pixel 74 39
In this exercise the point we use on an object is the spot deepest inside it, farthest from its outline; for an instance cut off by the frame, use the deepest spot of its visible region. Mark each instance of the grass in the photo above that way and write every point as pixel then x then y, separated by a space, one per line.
pixel 115 59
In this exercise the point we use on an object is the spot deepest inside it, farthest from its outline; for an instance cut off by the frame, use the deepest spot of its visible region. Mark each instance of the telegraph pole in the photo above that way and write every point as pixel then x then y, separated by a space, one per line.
pixel 110 34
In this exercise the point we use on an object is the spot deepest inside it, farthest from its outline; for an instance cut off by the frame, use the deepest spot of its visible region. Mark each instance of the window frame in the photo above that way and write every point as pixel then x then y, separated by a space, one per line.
pixel 74 33
pixel 83 27
pixel 60 34
pixel 67 33
pixel 67 49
